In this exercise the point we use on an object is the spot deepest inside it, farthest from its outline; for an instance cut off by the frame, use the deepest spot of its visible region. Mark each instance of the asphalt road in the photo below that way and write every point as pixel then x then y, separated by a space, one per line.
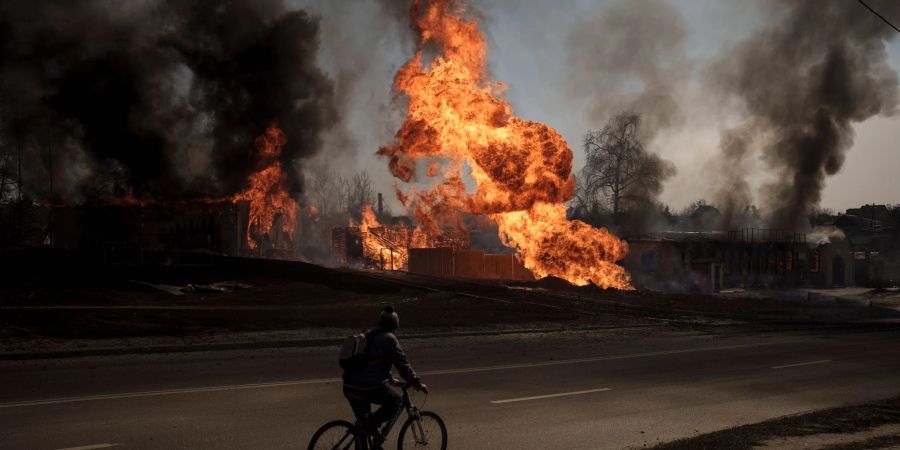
pixel 600 389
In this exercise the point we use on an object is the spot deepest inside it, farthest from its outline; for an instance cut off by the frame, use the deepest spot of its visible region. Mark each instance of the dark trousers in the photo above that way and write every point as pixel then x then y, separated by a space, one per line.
pixel 361 399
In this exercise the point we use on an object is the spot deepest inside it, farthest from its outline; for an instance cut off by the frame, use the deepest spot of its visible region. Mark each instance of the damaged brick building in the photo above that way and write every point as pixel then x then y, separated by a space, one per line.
pixel 752 257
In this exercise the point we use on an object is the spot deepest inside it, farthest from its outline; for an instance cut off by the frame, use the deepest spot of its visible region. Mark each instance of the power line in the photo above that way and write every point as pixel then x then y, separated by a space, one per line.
pixel 879 15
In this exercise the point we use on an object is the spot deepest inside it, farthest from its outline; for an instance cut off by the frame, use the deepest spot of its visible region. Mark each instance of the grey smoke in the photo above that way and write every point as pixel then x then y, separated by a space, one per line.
pixel 363 44
pixel 631 58
pixel 801 83
pixel 162 96
pixel 733 194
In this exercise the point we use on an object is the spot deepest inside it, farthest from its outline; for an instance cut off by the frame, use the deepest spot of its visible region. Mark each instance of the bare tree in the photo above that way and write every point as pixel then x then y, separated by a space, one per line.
pixel 618 170
pixel 694 206
pixel 342 191
pixel 322 186
pixel 361 191
pixel 339 194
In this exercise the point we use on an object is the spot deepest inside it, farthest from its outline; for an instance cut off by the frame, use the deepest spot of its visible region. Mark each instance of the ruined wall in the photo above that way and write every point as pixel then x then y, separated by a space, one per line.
pixel 448 262
pixel 836 264
pixel 218 227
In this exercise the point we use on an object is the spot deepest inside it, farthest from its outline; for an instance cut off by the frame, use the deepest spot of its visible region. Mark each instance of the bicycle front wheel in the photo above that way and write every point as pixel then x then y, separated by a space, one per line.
pixel 426 431
pixel 335 435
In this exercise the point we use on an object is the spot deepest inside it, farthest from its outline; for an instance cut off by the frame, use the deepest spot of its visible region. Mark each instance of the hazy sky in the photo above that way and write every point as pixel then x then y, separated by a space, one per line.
pixel 363 45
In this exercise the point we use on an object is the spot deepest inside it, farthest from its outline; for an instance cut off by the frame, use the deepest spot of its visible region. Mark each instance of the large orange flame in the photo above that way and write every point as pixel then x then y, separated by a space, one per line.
pixel 380 245
pixel 522 169
pixel 266 191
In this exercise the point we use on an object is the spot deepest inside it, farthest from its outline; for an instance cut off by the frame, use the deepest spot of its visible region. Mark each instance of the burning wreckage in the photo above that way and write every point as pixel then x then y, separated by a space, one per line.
pixel 404 247
pixel 479 159
pixel 261 220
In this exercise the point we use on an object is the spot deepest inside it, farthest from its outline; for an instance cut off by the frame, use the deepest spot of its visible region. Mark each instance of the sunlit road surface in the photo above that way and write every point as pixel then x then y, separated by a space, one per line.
pixel 611 389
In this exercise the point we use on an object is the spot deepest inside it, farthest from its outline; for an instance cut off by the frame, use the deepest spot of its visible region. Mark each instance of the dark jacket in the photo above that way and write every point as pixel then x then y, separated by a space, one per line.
pixel 383 351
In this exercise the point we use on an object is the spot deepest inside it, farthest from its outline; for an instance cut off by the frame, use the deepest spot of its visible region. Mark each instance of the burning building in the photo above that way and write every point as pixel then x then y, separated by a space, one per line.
pixel 387 247
pixel 404 247
pixel 178 230
pixel 261 220
pixel 150 119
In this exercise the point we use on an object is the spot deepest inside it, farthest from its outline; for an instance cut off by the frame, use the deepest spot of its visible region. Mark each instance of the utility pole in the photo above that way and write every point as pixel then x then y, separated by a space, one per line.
pixel 19 159
pixel 20 213
pixel 380 208
pixel 52 200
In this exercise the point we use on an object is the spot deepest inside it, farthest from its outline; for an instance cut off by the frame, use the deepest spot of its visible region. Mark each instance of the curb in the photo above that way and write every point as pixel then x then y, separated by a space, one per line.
pixel 290 343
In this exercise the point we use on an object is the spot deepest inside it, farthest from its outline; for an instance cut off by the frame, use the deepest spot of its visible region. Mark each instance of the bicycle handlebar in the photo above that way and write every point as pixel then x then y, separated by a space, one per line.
pixel 404 385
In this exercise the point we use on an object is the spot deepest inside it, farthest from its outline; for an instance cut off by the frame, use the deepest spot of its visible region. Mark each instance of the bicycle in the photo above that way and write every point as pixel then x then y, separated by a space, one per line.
pixel 422 429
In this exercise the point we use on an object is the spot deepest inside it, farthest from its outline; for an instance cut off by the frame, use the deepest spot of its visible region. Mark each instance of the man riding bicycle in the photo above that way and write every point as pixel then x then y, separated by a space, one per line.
pixel 370 384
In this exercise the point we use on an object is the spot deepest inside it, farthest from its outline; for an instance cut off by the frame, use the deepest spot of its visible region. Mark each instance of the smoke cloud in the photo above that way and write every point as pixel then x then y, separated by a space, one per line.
pixel 363 44
pixel 630 58
pixel 162 96
pixel 801 83
pixel 733 195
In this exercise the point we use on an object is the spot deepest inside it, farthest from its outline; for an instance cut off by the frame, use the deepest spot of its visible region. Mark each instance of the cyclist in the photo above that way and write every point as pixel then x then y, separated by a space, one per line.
pixel 371 384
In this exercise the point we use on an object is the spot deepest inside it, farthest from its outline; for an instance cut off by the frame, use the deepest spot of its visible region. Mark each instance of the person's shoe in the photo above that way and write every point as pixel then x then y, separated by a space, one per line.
pixel 377 437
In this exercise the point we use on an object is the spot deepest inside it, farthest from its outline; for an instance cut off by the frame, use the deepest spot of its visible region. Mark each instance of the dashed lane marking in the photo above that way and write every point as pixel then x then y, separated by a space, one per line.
pixel 235 387
pixel 91 447
pixel 810 363
pixel 539 397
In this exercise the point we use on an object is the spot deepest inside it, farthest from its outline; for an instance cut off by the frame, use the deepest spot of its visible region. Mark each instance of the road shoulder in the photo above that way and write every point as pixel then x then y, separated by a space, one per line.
pixel 867 426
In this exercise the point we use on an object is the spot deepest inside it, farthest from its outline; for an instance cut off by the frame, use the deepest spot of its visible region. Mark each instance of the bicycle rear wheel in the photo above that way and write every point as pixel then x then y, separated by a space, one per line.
pixel 335 435
pixel 426 431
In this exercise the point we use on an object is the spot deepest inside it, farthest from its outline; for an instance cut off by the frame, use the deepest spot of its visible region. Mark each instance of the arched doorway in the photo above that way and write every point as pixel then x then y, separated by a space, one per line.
pixel 837 270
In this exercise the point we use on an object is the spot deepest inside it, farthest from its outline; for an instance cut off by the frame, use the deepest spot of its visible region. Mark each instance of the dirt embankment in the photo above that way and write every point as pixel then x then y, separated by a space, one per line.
pixel 56 295
pixel 869 426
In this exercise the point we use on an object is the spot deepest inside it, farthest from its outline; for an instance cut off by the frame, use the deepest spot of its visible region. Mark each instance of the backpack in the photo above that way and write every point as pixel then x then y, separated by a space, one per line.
pixel 353 353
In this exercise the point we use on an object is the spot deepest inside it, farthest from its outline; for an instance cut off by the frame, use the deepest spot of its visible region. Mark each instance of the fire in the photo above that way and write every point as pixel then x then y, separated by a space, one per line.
pixel 266 191
pixel 522 169
pixel 128 199
pixel 368 219
pixel 387 246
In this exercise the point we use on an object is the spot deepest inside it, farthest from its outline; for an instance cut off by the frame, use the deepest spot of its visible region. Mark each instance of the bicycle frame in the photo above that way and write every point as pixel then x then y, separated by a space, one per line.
pixel 411 411
pixel 359 437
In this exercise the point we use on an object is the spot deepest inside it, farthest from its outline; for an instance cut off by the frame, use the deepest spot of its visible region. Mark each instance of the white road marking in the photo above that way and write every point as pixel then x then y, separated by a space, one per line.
pixel 822 361
pixel 596 359
pixel 91 447
pixel 235 387
pixel 538 397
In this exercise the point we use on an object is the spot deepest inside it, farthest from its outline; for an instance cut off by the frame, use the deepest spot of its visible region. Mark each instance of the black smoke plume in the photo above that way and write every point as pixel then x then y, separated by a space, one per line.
pixel 161 96
pixel 801 83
